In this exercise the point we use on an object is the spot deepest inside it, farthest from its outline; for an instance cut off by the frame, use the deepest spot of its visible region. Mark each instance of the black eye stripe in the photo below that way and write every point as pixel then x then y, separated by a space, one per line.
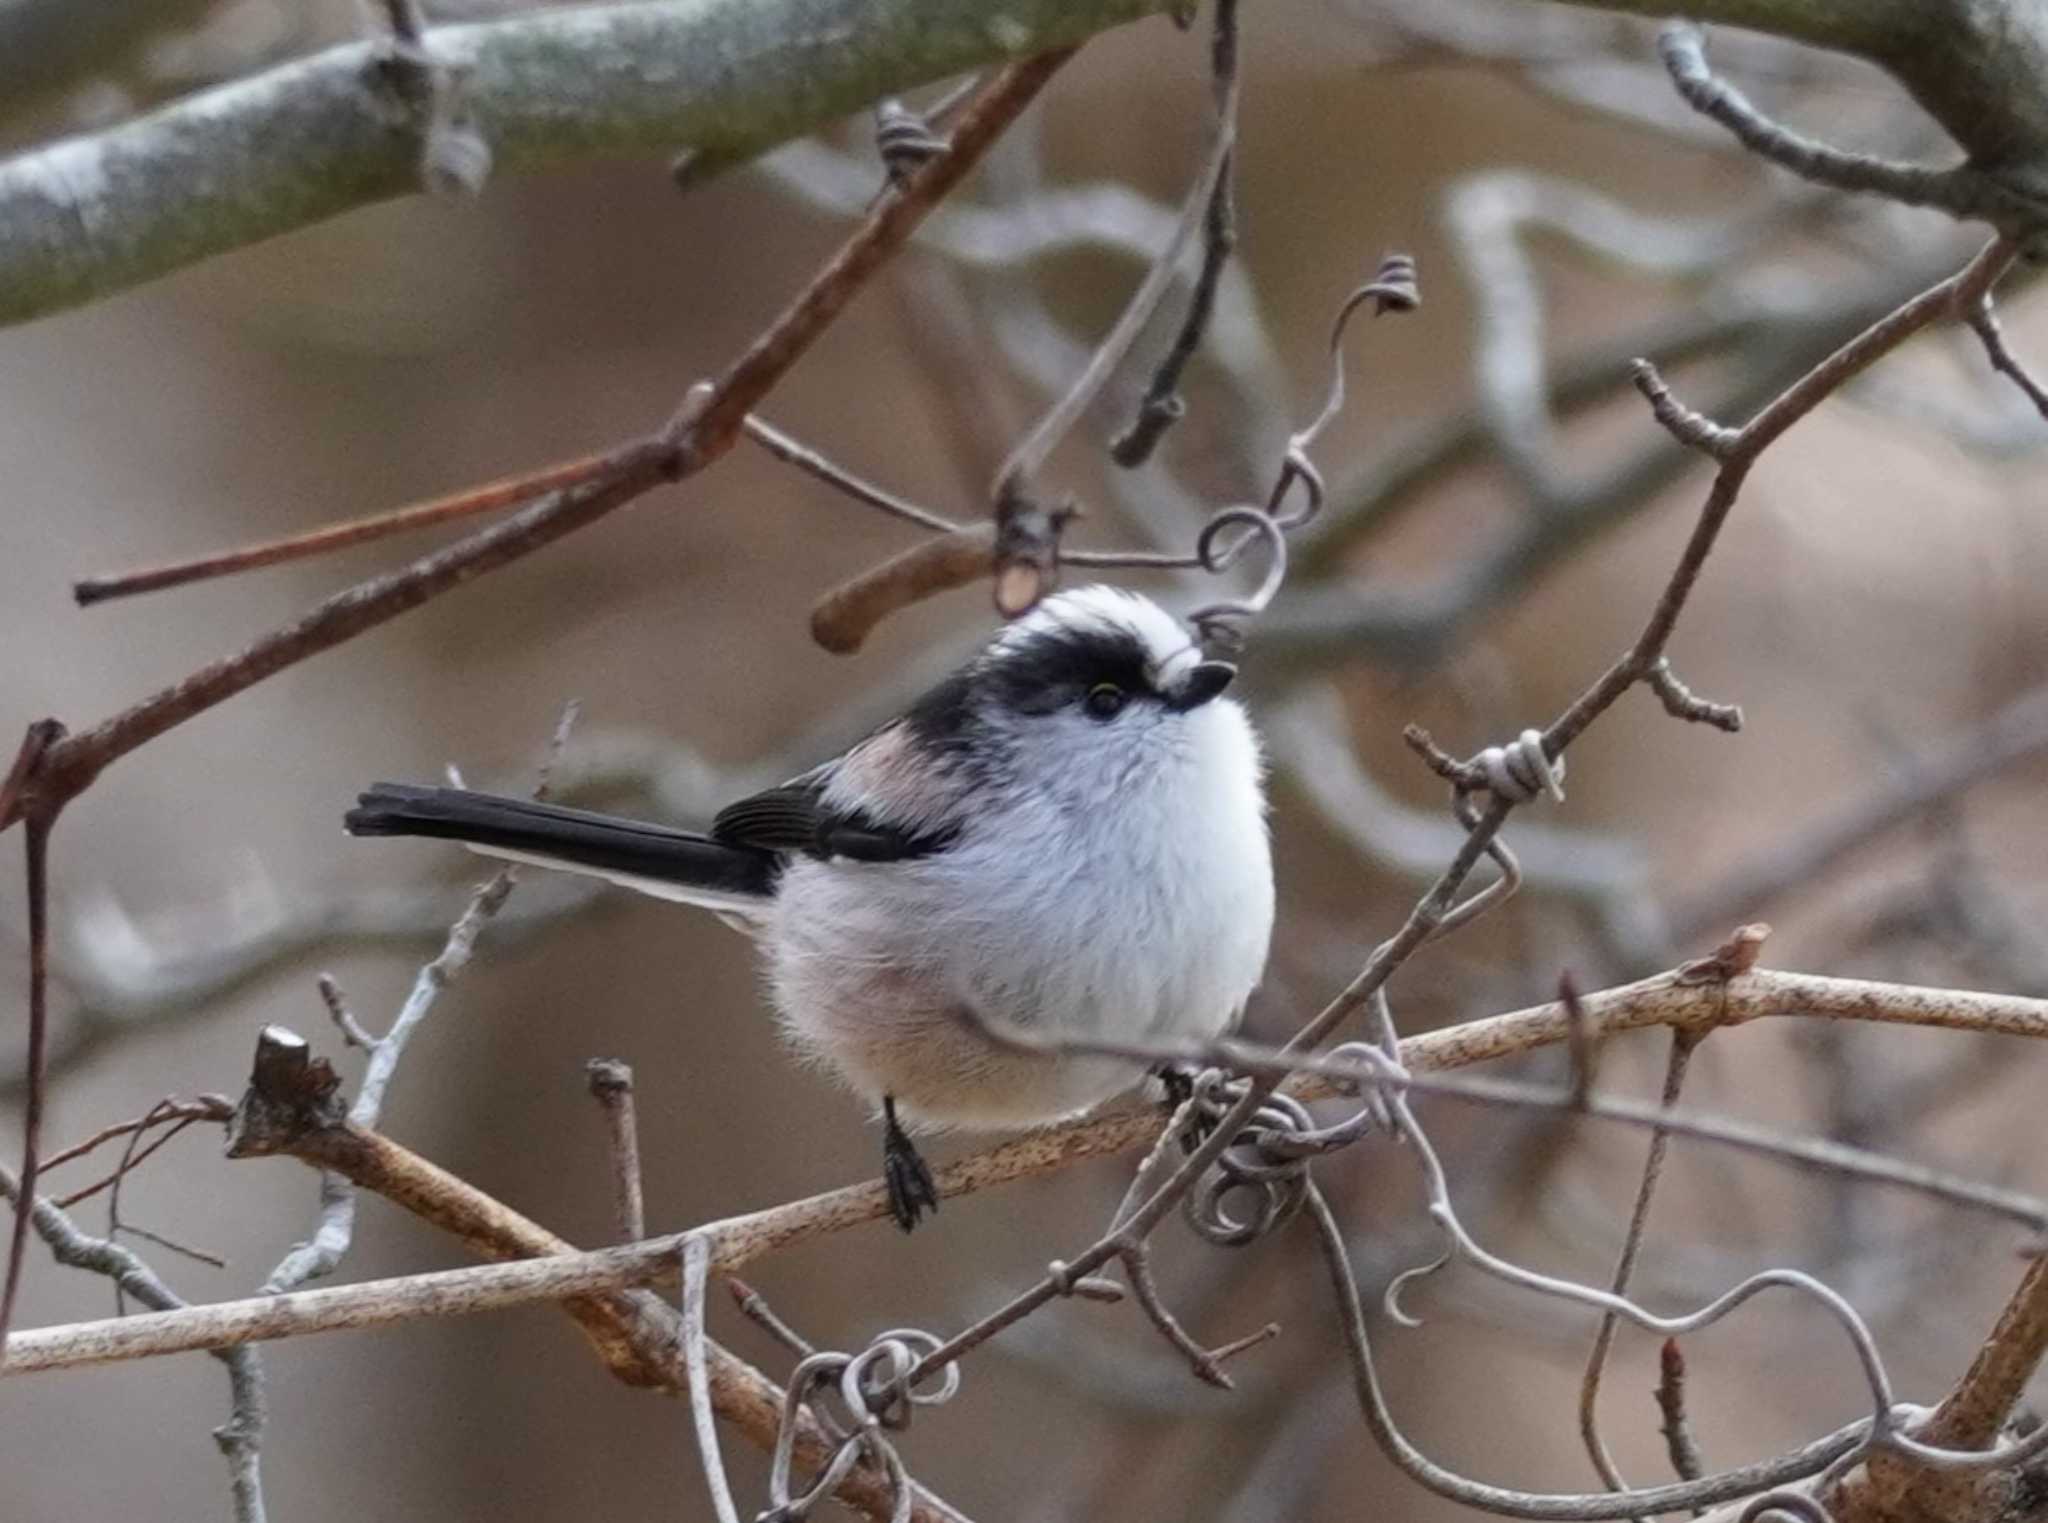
pixel 1055 668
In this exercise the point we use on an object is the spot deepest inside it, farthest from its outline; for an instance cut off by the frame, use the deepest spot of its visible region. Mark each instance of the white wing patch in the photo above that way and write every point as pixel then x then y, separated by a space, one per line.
pixel 745 906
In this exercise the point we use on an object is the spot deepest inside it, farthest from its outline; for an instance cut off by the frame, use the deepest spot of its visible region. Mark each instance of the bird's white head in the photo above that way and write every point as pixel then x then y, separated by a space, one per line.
pixel 1095 691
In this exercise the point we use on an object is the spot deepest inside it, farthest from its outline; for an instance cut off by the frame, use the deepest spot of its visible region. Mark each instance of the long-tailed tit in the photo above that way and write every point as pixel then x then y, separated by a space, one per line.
pixel 1066 837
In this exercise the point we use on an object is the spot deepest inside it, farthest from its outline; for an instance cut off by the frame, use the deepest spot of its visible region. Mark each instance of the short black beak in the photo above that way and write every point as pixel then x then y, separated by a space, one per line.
pixel 1204 683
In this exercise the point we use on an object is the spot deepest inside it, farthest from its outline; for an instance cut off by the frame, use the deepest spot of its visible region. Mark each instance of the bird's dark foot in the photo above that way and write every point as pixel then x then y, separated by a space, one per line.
pixel 1177 1080
pixel 1177 1084
pixel 911 1191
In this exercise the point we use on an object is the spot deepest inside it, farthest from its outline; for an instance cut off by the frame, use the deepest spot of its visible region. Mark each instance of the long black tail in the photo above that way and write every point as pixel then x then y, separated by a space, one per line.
pixel 670 864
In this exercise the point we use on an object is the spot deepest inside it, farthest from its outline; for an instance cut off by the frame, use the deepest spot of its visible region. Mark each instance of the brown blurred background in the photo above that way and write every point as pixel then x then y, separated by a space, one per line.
pixel 1876 596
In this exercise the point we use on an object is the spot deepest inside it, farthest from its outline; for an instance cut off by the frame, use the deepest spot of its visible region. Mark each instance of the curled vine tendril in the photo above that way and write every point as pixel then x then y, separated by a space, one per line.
pixel 1393 288
pixel 855 1398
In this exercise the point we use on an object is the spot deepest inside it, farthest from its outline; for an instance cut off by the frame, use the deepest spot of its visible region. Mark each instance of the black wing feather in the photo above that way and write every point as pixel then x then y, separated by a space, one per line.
pixel 793 817
pixel 786 817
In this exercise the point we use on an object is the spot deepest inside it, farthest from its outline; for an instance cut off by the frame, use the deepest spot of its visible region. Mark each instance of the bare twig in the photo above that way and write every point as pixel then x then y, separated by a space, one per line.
pixel 1983 321
pixel 611 1085
pixel 811 463
pixel 40 815
pixel 74 1249
pixel 1809 1460
pixel 344 1019
pixel 1680 702
pixel 755 1308
pixel 334 1231
pixel 1162 405
pixel 1678 999
pixel 1962 192
pixel 292 1107
pixel 173 1117
pixel 1018 473
pixel 1682 1044
pixel 702 432
pixel 472 502
pixel 843 618
pixel 696 1367
pixel 1944 299
pixel 207 1107
pixel 1579 1042
pixel 1679 1443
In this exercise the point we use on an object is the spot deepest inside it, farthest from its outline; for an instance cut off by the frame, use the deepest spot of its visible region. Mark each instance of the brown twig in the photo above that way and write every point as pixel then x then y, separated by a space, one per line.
pixel 1680 702
pixel 755 1308
pixel 1738 451
pixel 473 502
pixel 168 1114
pixel 1679 1443
pixel 344 1019
pixel 749 378
pixel 1162 405
pixel 1018 473
pixel 54 768
pixel 1977 1410
pixel 18 791
pixel 701 432
pixel 1682 1044
pixel 1675 999
pixel 611 1085
pixel 843 618
pixel 794 452
pixel 1983 320
pixel 292 1108
pixel 206 1107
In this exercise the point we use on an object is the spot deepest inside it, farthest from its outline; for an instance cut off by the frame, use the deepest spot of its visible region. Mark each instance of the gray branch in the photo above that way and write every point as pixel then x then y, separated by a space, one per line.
pixel 96 1255
pixel 93 215
pixel 1976 66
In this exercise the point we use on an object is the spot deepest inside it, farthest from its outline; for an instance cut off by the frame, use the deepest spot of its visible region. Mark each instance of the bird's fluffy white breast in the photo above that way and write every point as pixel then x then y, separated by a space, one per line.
pixel 1128 891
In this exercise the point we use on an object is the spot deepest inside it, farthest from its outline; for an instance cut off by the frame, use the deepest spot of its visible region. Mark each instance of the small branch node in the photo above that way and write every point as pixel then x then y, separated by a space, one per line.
pixel 1251 1340
pixel 291 1095
pixel 611 1084
pixel 843 618
pixel 1580 1041
pixel 1679 1442
pixel 455 157
pixel 755 1308
pixel 1026 550
pixel 344 1019
pixel 1982 316
pixel 1733 957
pixel 1680 702
pixel 1088 1287
pixel 1693 430
pixel 1436 758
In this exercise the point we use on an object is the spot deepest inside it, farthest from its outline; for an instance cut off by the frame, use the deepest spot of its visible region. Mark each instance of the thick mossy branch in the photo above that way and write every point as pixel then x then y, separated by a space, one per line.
pixel 725 79
pixel 93 215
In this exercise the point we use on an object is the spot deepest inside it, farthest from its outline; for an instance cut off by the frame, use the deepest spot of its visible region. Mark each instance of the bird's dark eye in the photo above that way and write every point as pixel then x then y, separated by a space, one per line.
pixel 1105 700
